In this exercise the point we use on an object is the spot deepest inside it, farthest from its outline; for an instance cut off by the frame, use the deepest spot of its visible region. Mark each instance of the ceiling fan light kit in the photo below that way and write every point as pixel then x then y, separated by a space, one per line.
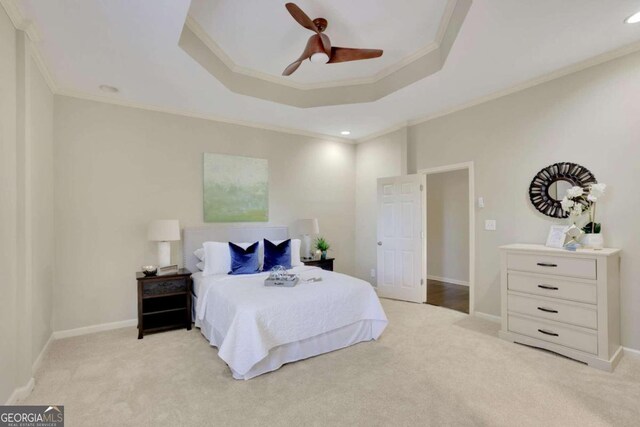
pixel 319 49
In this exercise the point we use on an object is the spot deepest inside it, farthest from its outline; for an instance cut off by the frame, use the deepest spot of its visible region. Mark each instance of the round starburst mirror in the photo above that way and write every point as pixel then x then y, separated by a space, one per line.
pixel 550 185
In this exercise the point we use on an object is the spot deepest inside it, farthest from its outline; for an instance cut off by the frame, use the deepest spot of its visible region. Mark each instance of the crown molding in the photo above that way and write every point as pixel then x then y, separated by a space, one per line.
pixel 114 100
pixel 21 23
pixel 450 8
pixel 562 72
pixel 383 132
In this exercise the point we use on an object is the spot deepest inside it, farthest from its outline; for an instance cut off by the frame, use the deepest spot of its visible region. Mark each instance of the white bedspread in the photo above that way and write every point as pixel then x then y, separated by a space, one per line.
pixel 250 319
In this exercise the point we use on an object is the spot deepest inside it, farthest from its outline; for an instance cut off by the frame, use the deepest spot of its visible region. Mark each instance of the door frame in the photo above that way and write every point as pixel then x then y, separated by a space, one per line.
pixel 469 167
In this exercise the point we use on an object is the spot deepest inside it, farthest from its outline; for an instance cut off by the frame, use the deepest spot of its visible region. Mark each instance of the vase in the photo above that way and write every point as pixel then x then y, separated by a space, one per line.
pixel 323 255
pixel 593 241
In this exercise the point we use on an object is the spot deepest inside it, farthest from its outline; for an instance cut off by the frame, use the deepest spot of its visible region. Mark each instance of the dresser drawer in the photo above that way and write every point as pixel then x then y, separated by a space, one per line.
pixel 568 336
pixel 547 308
pixel 560 266
pixel 163 287
pixel 555 288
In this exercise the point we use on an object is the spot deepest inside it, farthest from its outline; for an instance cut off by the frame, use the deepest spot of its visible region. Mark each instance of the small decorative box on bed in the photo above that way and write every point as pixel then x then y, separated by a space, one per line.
pixel 164 302
pixel 280 278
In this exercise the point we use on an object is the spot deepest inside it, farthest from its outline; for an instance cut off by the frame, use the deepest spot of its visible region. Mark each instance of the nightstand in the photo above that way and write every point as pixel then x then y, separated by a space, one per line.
pixel 325 264
pixel 164 302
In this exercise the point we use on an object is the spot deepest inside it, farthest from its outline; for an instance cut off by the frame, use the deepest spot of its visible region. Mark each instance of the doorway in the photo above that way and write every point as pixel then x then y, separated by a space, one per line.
pixel 449 237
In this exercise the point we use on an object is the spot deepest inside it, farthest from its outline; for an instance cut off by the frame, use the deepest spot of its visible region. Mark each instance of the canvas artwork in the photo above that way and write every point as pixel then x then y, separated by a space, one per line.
pixel 236 189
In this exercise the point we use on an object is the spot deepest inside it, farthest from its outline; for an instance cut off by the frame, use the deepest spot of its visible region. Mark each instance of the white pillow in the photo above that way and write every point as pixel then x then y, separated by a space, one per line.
pixel 199 253
pixel 200 265
pixel 217 259
pixel 295 251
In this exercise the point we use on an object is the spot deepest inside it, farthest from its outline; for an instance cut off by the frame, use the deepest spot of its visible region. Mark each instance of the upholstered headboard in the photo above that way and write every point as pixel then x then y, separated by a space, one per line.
pixel 194 237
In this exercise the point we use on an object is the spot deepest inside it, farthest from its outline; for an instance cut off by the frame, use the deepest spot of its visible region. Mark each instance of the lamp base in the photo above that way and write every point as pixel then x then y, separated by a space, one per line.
pixel 306 247
pixel 164 254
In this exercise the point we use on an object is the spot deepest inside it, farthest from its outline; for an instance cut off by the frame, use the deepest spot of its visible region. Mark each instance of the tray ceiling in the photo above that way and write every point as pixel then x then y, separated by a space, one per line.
pixel 503 45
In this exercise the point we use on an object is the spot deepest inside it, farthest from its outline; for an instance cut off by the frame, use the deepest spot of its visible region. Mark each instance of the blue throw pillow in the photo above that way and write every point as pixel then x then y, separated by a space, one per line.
pixel 244 261
pixel 277 254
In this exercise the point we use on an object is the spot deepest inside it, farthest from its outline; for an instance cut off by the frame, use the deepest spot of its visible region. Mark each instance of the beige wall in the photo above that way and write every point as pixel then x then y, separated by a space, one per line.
pixel 118 168
pixel 590 118
pixel 42 195
pixel 26 209
pixel 448 226
pixel 8 206
pixel 378 158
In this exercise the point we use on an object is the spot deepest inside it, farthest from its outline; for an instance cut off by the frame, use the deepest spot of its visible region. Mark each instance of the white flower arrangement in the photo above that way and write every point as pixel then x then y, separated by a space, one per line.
pixel 578 202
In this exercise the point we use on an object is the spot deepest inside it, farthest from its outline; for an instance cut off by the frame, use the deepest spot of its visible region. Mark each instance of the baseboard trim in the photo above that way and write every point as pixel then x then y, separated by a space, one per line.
pixel 94 328
pixel 487 316
pixel 21 392
pixel 631 352
pixel 452 281
pixel 38 361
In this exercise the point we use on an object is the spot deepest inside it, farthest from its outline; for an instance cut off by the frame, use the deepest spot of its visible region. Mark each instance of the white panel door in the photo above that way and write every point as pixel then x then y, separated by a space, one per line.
pixel 401 238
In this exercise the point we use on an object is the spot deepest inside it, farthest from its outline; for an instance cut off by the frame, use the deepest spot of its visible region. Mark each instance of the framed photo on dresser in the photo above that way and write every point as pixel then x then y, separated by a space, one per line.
pixel 556 237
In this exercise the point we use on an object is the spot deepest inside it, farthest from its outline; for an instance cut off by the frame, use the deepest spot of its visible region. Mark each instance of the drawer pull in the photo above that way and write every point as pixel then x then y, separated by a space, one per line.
pixel 547 310
pixel 542 331
pixel 546 264
pixel 550 288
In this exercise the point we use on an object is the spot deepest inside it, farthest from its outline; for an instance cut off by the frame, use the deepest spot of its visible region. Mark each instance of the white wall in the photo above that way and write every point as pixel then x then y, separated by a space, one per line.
pixel 26 209
pixel 118 168
pixel 378 158
pixel 448 226
pixel 590 118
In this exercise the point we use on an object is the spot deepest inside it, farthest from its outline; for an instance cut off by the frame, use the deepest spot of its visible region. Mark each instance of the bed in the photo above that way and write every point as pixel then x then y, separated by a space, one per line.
pixel 258 329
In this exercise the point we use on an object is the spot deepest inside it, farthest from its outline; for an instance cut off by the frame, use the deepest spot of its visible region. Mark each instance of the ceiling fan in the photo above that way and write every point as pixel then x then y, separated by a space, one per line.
pixel 319 49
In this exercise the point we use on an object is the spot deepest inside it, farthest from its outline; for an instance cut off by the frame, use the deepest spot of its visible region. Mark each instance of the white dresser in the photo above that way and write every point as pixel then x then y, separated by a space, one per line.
pixel 566 302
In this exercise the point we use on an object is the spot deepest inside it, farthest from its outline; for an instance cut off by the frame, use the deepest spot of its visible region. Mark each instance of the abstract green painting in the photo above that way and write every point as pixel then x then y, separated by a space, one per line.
pixel 236 189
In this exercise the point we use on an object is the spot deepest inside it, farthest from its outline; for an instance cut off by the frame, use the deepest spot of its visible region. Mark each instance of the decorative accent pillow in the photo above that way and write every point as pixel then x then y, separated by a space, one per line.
pixel 217 259
pixel 277 254
pixel 244 261
pixel 200 266
pixel 295 251
pixel 199 253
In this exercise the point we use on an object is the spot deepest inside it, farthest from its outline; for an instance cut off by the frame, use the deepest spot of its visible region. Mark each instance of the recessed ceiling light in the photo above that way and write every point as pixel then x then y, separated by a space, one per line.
pixel 633 19
pixel 345 132
pixel 109 89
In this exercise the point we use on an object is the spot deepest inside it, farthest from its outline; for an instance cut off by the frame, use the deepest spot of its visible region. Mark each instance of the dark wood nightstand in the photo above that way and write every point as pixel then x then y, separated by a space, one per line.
pixel 164 302
pixel 325 264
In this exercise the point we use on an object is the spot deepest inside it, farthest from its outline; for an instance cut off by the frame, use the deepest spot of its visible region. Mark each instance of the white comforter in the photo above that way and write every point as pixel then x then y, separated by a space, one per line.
pixel 249 319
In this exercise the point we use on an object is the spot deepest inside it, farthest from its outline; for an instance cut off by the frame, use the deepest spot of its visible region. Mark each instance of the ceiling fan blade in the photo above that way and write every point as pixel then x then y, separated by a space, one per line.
pixel 306 54
pixel 301 17
pixel 326 43
pixel 291 68
pixel 346 54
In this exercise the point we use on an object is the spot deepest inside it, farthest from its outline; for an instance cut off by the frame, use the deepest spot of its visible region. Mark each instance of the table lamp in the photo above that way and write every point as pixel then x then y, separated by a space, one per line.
pixel 306 227
pixel 164 231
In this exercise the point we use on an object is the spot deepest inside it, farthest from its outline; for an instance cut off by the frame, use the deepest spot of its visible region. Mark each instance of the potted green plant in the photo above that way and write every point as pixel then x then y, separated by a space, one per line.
pixel 323 246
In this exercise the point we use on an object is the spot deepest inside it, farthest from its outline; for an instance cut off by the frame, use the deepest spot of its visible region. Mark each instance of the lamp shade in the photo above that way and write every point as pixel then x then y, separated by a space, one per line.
pixel 164 230
pixel 308 226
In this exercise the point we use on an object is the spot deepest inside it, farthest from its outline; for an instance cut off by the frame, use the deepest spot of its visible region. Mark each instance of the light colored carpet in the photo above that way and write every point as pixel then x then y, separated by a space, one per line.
pixel 432 366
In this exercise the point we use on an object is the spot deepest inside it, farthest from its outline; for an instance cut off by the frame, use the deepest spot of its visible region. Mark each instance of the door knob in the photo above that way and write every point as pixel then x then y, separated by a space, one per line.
pixel 379 243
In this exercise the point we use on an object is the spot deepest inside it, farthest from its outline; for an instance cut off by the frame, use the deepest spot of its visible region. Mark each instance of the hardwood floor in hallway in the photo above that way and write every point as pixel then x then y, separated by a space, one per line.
pixel 448 295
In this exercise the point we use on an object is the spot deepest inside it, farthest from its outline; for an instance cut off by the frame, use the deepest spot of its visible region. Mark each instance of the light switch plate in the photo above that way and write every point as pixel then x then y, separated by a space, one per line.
pixel 373 272
pixel 481 202
pixel 490 225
